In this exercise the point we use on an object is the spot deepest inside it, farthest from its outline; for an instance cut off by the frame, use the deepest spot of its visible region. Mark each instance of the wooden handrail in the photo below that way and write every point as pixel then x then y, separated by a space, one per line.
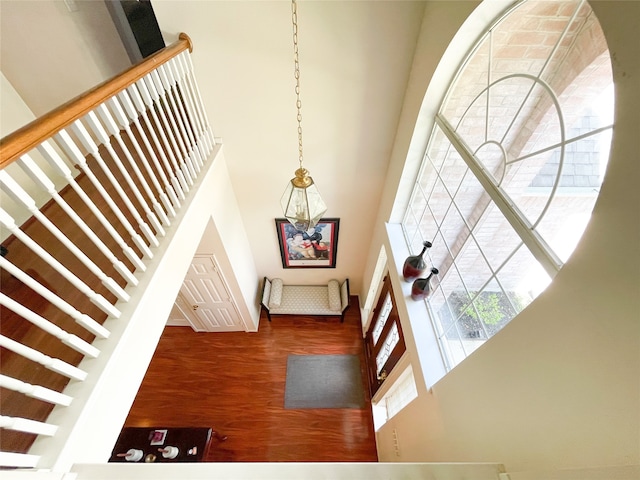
pixel 31 135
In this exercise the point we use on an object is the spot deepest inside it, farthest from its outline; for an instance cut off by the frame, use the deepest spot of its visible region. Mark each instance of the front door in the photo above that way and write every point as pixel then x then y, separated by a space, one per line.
pixel 384 342
pixel 206 292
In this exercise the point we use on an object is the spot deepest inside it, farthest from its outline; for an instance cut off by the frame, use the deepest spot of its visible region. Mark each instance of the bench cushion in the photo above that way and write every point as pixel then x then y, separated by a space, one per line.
pixel 304 300
pixel 329 299
pixel 335 302
pixel 275 299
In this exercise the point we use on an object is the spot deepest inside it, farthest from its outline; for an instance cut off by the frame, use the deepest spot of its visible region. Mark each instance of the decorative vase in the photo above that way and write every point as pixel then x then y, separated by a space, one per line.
pixel 421 288
pixel 414 266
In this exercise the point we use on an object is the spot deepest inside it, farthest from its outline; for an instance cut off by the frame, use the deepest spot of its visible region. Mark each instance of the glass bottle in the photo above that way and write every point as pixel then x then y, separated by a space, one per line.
pixel 421 288
pixel 414 266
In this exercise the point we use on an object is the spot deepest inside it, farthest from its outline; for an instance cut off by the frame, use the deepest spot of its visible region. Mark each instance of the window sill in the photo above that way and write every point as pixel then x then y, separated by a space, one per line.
pixel 420 336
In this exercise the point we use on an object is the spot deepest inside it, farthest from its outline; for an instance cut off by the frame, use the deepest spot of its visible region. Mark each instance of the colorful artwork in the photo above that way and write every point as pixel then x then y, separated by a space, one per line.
pixel 315 248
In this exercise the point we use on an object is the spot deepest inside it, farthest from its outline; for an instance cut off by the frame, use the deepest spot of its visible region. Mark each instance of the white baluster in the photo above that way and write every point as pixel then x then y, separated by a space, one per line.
pixel 157 92
pixel 35 391
pixel 8 459
pixel 164 89
pixel 183 61
pixel 189 65
pixel 29 426
pixel 49 153
pixel 187 95
pixel 174 187
pixel 123 101
pixel 69 339
pixel 88 143
pixel 75 155
pixel 80 318
pixel 16 192
pixel 99 131
pixel 150 100
pixel 170 85
pixel 95 298
pixel 53 364
pixel 40 178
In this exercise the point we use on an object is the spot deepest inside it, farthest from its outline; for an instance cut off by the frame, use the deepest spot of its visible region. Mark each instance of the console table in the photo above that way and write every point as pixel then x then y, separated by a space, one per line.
pixel 146 444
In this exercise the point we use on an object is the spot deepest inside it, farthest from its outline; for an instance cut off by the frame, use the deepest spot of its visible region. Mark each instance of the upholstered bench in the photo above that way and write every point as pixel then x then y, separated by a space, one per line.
pixel 329 299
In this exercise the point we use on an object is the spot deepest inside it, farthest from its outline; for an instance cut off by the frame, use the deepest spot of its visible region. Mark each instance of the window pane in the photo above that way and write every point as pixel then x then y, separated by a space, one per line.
pixel 471 336
pixel 494 308
pixel 496 237
pixel 439 201
pixel 453 171
pixel 520 177
pixel 417 215
pixel 453 347
pixel 454 231
pixel 471 80
pixel 473 267
pixel 532 107
pixel 455 291
pixel 439 256
pixel 570 209
pixel 439 311
pixel 428 175
pixel 390 341
pixel 471 199
pixel 522 275
pixel 382 318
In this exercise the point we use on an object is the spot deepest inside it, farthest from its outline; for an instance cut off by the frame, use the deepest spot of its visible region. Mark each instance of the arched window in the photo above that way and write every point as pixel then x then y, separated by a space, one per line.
pixel 513 167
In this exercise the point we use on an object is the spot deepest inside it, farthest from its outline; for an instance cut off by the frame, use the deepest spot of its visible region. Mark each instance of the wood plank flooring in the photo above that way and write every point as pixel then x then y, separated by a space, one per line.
pixel 234 382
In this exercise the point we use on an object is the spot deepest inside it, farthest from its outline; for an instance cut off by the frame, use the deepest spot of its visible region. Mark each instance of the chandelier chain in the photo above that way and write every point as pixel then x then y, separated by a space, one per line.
pixel 296 74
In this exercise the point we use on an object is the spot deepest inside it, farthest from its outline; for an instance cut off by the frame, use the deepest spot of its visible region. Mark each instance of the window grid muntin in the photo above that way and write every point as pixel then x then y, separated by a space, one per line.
pixel 512 213
pixel 539 241
pixel 382 318
pixel 390 341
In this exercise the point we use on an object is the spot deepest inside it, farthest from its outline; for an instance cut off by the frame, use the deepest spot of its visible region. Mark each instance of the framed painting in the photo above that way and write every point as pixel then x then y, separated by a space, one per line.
pixel 315 248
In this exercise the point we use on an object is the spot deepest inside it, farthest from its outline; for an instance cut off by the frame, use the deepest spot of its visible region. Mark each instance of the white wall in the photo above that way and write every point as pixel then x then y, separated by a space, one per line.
pixel 354 61
pixel 15 113
pixel 226 237
pixel 559 387
pixel 51 54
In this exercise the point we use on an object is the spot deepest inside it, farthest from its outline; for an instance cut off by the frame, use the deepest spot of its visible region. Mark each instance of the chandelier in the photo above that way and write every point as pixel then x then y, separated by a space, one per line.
pixel 301 201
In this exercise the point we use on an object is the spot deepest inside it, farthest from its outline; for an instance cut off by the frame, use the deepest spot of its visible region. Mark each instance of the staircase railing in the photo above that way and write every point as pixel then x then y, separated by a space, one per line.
pixel 119 167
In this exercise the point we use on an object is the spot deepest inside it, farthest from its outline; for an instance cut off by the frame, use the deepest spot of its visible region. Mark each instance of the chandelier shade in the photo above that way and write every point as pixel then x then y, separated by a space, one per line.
pixel 301 202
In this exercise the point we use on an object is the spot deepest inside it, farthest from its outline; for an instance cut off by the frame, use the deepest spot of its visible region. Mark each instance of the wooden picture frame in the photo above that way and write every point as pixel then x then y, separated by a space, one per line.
pixel 316 248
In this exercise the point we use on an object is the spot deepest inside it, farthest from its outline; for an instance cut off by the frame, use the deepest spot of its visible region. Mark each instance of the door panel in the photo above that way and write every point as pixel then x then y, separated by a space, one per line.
pixel 205 290
pixel 182 315
pixel 384 342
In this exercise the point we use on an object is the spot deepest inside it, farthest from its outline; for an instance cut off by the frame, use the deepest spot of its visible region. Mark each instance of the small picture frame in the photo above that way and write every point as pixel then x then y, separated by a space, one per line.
pixel 157 437
pixel 315 248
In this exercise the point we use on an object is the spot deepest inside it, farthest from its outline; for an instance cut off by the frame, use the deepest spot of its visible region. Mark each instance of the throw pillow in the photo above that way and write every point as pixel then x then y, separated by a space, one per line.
pixel 334 295
pixel 276 293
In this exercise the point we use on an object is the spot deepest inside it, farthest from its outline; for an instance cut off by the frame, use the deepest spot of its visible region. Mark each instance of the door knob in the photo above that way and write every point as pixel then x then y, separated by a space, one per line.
pixel 195 307
pixel 382 376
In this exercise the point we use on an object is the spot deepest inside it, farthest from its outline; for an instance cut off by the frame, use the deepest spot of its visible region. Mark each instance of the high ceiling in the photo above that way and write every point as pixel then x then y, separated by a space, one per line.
pixel 355 59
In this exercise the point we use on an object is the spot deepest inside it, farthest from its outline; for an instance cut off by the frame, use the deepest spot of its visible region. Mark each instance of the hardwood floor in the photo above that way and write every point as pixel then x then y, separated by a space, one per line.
pixel 235 382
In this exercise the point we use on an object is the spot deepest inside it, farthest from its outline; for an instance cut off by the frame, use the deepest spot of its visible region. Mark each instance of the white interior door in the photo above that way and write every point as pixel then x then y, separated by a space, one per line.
pixel 182 315
pixel 205 290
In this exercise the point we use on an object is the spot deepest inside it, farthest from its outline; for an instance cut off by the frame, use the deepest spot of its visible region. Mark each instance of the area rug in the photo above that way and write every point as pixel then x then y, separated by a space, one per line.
pixel 323 381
